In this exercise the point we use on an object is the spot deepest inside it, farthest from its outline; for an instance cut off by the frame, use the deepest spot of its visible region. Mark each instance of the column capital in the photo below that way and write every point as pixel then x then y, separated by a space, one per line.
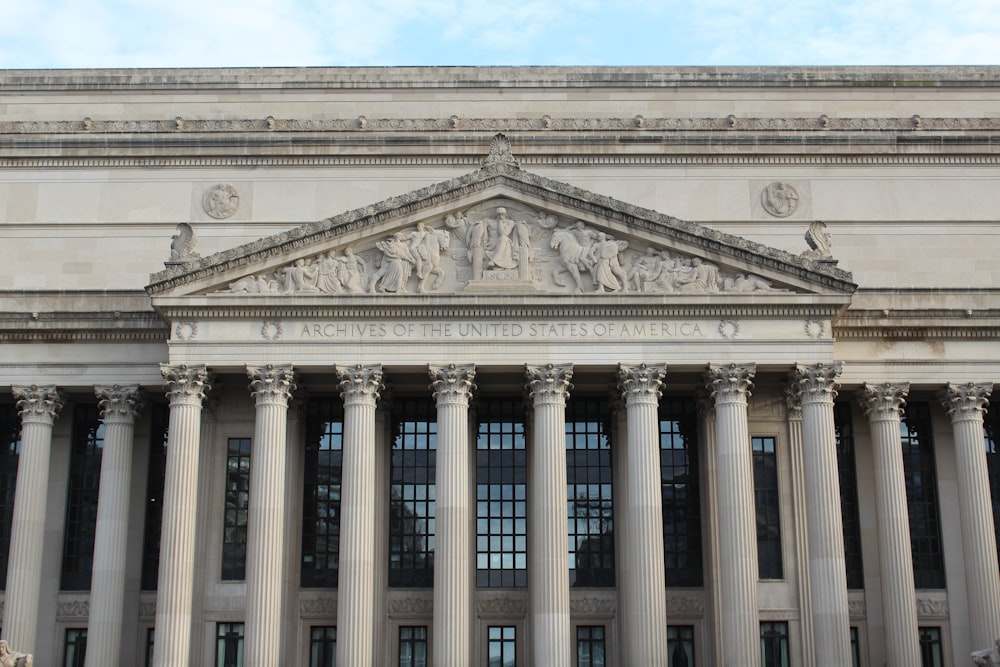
pixel 793 401
pixel 642 383
pixel 186 385
pixel 730 384
pixel 816 383
pixel 271 385
pixel 360 385
pixel 883 401
pixel 120 404
pixel 39 404
pixel 549 384
pixel 965 401
pixel 451 384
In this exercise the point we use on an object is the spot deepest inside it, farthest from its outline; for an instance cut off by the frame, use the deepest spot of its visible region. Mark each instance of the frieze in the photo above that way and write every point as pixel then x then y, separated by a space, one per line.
pixel 685 606
pixel 73 608
pixel 324 606
pixel 221 202
pixel 411 606
pixel 502 605
pixel 931 608
pixel 593 605
pixel 856 609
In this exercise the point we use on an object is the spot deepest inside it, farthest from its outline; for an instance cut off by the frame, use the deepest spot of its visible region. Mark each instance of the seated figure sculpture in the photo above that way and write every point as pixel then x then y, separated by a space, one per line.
pixel 988 657
pixel 12 658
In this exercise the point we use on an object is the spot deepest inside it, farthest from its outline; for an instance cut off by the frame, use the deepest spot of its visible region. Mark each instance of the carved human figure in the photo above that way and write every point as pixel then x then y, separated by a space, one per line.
pixel 573 257
pixel 818 240
pixel 352 272
pixel 396 268
pixel 328 280
pixel 646 269
pixel 703 277
pixel 415 243
pixel 12 658
pixel 300 277
pixel 747 282
pixel 500 249
pixel 608 273
pixel 989 657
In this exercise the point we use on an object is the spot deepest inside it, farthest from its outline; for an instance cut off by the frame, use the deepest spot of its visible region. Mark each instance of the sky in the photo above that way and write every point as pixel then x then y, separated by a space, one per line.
pixel 259 33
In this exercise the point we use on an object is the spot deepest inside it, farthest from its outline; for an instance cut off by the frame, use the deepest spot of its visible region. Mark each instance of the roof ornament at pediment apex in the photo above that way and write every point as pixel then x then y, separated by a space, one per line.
pixel 501 153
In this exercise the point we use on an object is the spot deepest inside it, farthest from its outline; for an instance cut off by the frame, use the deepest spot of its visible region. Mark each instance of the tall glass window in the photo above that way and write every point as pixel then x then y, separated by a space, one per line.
pixel 323 646
pixel 321 492
pixel 680 491
pixel 502 645
pixel 855 647
pixel 931 648
pixel 501 479
pixel 413 646
pixel 75 647
pixel 774 644
pixel 229 645
pixel 590 646
pixel 87 444
pixel 150 638
pixel 849 508
pixel 922 497
pixel 234 532
pixel 155 477
pixel 765 477
pixel 992 436
pixel 680 645
pixel 412 493
pixel 10 452
pixel 589 493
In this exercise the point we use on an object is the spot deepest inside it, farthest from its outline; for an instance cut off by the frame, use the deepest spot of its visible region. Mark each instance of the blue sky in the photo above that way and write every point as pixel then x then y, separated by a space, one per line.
pixel 228 33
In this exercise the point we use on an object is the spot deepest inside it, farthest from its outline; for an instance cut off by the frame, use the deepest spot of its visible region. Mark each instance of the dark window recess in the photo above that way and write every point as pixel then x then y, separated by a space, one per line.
pixel 413 646
pixel 922 497
pixel 590 650
pixel 87 444
pixel 10 453
pixel 931 648
pixel 589 493
pixel 766 492
pixel 321 492
pixel 412 494
pixel 680 645
pixel 229 645
pixel 155 478
pixel 849 507
pixel 323 646
pixel 680 490
pixel 774 644
pixel 234 531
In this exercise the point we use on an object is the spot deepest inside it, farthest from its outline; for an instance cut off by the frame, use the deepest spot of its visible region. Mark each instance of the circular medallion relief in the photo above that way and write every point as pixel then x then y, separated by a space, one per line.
pixel 271 330
pixel 729 329
pixel 185 330
pixel 780 199
pixel 221 201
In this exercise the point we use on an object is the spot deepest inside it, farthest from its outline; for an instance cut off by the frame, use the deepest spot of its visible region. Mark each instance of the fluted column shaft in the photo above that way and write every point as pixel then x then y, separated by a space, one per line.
pixel 816 387
pixel 641 575
pixel 730 387
pixel 360 388
pixel 452 386
pixel 38 407
pixel 883 405
pixel 119 408
pixel 186 389
pixel 548 560
pixel 965 405
pixel 271 388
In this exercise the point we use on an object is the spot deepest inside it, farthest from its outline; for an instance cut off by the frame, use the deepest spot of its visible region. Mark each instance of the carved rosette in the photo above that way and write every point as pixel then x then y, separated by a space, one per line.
pixel 730 384
pixel 119 404
pixel 453 385
pixel 642 384
pixel 882 402
pixel 966 401
pixel 38 404
pixel 186 385
pixel 817 383
pixel 271 385
pixel 549 384
pixel 361 385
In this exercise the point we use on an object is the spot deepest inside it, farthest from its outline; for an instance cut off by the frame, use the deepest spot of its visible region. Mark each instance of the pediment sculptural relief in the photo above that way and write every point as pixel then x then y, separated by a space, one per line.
pixel 501 246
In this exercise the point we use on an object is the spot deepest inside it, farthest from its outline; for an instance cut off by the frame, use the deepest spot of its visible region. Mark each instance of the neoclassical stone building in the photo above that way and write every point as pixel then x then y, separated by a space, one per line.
pixel 491 366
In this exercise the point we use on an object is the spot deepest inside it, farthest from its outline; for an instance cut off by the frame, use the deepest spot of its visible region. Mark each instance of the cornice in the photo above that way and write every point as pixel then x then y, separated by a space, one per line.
pixel 83 327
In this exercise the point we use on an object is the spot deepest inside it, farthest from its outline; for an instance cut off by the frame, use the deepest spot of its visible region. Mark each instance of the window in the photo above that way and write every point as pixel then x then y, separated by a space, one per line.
pixel 501 513
pixel 502 645
pixel 850 516
pixel 992 428
pixel 680 645
pixel 855 647
pixel 229 645
pixel 765 486
pixel 774 644
pixel 321 492
pixel 679 487
pixel 155 477
pixel 323 646
pixel 75 649
pixel 931 650
pixel 589 494
pixel 149 647
pixel 10 451
pixel 921 497
pixel 234 533
pixel 590 646
pixel 413 646
pixel 81 499
pixel 412 493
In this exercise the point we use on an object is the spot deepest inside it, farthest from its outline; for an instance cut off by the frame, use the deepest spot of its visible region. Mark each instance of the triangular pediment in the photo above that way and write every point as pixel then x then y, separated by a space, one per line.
pixel 501 230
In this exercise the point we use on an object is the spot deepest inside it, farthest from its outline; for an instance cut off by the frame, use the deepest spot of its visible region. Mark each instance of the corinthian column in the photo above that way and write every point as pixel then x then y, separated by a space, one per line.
pixel 884 406
pixel 452 386
pixel 965 405
pixel 38 407
pixel 119 408
pixel 271 388
pixel 360 387
pixel 816 387
pixel 642 578
pixel 186 389
pixel 548 564
pixel 730 387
